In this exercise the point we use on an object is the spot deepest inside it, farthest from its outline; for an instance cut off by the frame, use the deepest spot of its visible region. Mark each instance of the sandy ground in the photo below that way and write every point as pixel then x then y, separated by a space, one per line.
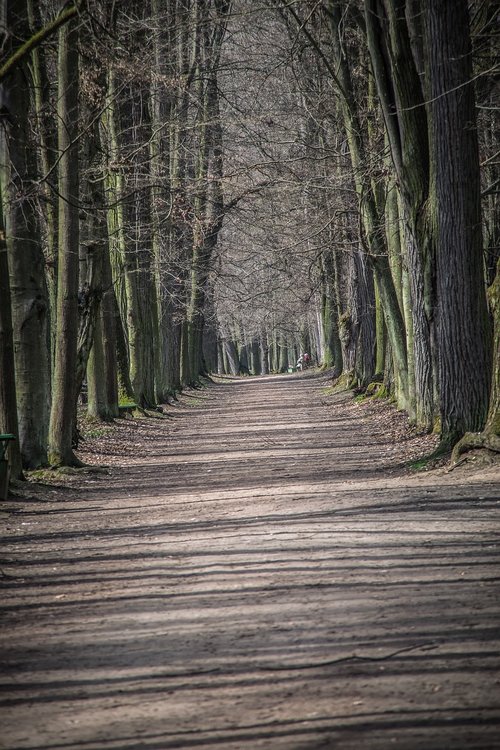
pixel 258 569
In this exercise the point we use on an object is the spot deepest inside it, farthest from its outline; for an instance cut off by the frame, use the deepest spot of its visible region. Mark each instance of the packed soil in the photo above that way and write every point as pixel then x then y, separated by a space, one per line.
pixel 257 568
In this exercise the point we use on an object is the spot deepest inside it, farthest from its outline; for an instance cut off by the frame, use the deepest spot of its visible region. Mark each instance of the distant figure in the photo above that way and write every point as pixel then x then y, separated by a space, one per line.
pixel 244 369
pixel 303 361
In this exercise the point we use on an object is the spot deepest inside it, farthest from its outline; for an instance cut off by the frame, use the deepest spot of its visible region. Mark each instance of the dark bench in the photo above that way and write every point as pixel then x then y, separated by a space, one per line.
pixel 5 439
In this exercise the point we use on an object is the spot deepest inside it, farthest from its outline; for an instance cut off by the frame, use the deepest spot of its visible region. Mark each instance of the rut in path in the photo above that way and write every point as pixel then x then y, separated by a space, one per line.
pixel 252 577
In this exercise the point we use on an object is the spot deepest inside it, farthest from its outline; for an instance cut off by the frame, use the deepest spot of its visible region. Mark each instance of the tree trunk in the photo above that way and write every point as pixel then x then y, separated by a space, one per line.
pixel 97 405
pixel 163 16
pixel 365 350
pixel 63 413
pixel 209 203
pixel 179 229
pixel 115 297
pixel 493 421
pixel 29 296
pixel 8 405
pixel 232 356
pixel 372 239
pixel 129 133
pixel 332 348
pixel 283 354
pixel 464 351
pixel 109 324
pixel 401 98
pixel 264 351
pixel 46 129
pixel 140 284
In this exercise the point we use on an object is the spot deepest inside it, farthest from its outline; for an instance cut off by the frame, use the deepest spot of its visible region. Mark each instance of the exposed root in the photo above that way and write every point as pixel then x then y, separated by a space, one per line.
pixel 474 441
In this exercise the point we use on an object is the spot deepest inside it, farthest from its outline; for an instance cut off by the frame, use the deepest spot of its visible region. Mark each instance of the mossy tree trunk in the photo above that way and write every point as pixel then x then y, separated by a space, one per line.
pixel 372 233
pixel 402 102
pixel 115 299
pixel 131 129
pixel 332 349
pixel 489 438
pixel 493 421
pixel 28 289
pixel 97 405
pixel 64 395
pixel 109 327
pixel 365 350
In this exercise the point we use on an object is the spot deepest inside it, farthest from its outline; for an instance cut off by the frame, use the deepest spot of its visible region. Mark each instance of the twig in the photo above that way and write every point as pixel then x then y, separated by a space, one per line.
pixel 353 657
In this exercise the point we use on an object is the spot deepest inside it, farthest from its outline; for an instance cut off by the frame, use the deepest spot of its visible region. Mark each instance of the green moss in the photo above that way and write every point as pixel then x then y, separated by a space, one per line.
pixel 345 382
pixel 377 390
pixel 429 462
pixel 328 391
pixel 193 401
pixel 50 475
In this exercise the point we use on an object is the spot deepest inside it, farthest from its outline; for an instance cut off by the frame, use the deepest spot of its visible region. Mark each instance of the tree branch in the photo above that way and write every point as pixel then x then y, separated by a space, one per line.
pixel 38 37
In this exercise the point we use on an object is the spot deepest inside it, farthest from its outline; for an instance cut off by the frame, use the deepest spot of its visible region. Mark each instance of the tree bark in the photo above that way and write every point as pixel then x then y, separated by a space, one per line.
pixel 371 222
pixel 401 98
pixel 8 404
pixel 97 405
pixel 209 203
pixel 464 351
pixel 163 15
pixel 332 348
pixel 29 297
pixel 63 413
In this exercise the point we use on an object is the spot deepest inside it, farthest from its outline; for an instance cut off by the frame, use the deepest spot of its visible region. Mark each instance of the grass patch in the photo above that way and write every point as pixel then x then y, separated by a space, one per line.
pixel 96 432
pixel 329 390
pixel 50 474
pixel 437 458
pixel 193 401
pixel 90 428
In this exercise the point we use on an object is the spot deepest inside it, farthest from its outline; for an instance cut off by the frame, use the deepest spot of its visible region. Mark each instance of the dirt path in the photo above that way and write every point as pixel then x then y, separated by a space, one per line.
pixel 258 573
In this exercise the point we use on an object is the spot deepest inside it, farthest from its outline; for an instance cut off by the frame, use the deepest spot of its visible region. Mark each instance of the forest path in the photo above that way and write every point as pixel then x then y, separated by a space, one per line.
pixel 257 572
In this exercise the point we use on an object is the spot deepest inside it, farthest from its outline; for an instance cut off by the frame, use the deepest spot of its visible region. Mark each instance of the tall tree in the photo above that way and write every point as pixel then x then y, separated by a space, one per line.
pixel 8 404
pixel 209 202
pixel 64 395
pixel 28 289
pixel 373 235
pixel 464 343
pixel 401 98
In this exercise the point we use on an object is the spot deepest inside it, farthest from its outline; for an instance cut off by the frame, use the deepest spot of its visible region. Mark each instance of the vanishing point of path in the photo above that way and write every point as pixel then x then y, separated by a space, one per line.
pixel 256 574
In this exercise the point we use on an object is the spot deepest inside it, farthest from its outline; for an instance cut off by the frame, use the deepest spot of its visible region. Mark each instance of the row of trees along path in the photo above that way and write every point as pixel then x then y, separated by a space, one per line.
pixel 190 186
pixel 256 570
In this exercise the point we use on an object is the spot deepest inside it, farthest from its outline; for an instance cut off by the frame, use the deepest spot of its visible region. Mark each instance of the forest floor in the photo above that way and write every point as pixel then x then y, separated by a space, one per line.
pixel 257 569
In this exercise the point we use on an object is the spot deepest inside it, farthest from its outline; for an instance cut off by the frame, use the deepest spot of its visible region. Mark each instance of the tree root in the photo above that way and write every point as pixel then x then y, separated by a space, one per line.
pixel 474 440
